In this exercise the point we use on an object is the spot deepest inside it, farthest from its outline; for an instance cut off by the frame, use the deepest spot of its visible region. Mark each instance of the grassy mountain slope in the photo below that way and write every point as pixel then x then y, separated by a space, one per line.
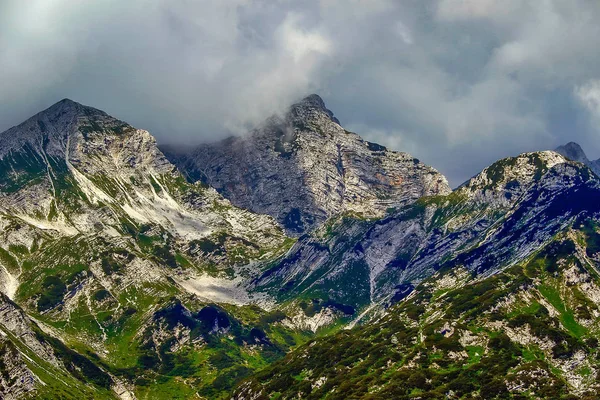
pixel 529 331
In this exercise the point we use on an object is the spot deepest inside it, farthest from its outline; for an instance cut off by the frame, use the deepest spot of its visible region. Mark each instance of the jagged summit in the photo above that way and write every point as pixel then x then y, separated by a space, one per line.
pixel 305 168
pixel 313 100
pixel 64 109
pixel 313 103
pixel 522 169
pixel 574 152
pixel 66 103
pixel 49 130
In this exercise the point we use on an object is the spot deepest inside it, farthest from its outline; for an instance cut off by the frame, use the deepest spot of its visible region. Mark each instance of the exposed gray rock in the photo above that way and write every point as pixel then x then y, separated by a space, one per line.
pixel 304 168
pixel 16 379
pixel 573 151
pixel 13 319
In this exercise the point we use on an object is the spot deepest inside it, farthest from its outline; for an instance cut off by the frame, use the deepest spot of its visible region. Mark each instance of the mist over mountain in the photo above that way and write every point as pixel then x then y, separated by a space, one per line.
pixel 304 168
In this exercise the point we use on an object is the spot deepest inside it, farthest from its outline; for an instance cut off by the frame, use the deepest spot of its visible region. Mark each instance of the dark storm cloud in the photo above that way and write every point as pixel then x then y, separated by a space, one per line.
pixel 458 83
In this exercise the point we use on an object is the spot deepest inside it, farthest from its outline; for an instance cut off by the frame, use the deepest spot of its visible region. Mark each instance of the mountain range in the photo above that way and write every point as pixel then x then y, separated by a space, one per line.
pixel 296 261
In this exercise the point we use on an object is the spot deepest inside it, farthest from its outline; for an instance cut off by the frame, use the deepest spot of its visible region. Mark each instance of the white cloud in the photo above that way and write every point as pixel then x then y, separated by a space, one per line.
pixel 464 9
pixel 444 79
pixel 404 33
pixel 589 95
pixel 299 42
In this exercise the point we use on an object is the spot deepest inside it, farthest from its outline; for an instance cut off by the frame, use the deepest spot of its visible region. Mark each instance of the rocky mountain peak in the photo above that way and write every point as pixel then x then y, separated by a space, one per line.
pixel 306 168
pixel 521 170
pixel 573 151
pixel 313 100
pixel 64 105
pixel 503 182
pixel 66 112
pixel 49 130
pixel 310 107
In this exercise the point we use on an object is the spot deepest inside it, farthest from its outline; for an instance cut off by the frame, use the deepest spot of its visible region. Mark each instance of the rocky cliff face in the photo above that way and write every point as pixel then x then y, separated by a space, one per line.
pixel 304 168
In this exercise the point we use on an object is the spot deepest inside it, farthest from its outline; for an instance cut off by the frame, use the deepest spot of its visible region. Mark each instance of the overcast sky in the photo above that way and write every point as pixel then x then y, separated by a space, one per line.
pixel 457 83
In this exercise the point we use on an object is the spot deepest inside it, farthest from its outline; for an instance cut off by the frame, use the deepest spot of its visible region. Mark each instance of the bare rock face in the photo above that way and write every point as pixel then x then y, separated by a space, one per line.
pixel 16 381
pixel 574 152
pixel 16 378
pixel 304 168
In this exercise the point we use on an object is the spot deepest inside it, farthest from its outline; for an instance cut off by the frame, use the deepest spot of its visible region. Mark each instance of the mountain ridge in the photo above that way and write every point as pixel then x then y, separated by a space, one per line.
pixel 574 152
pixel 303 168
pixel 135 283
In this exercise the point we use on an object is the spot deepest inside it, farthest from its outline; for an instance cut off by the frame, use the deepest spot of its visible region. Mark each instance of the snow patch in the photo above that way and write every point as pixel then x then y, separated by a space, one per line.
pixel 58 226
pixel 219 290
pixel 9 283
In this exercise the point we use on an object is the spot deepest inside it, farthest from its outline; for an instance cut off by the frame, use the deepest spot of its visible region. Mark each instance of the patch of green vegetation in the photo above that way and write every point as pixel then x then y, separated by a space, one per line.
pixel 9 261
pixel 18 249
pixel 567 317
pixel 533 308
pixel 532 353
pixel 155 185
pixel 53 290
pixel 163 255
pixel 471 299
pixel 592 237
pixel 182 261
pixel 22 169
pixel 101 294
